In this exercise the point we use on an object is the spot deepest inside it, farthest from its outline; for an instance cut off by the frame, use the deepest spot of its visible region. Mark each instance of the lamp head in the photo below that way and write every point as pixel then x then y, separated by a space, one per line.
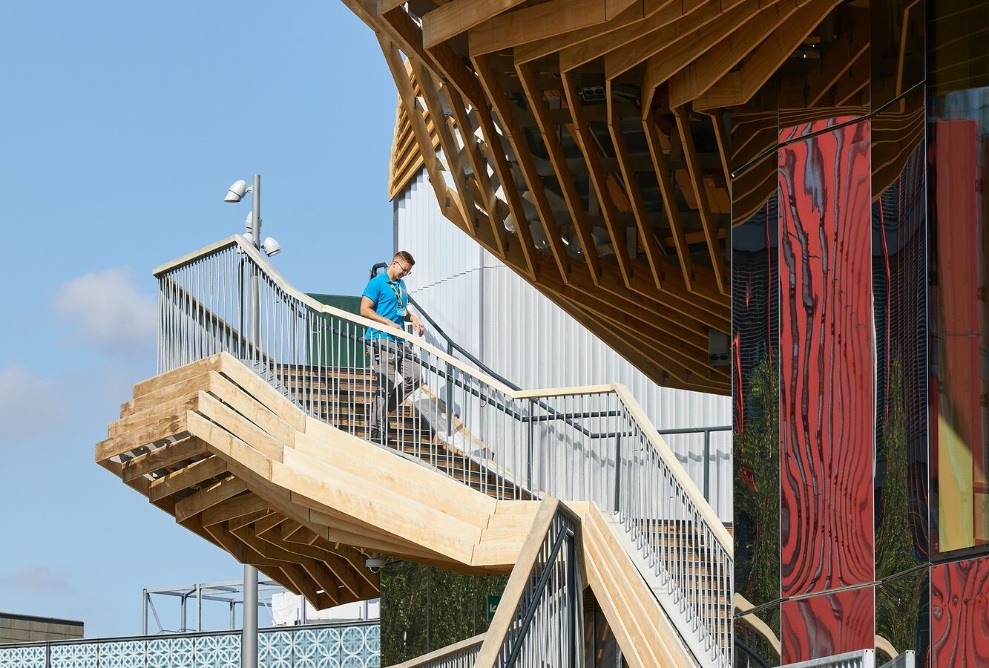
pixel 237 191
pixel 271 247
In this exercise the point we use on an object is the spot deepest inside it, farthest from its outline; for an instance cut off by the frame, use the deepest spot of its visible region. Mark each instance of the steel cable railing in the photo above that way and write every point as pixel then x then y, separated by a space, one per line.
pixel 583 444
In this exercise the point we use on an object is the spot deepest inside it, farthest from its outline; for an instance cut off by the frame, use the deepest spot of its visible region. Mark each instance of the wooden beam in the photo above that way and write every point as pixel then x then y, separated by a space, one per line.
pixel 644 229
pixel 530 24
pixel 581 131
pixel 549 131
pixel 515 137
pixel 632 44
pixel 188 477
pixel 759 66
pixel 696 178
pixel 434 108
pixel 696 78
pixel 526 53
pixel 455 17
pixel 671 59
pixel 432 163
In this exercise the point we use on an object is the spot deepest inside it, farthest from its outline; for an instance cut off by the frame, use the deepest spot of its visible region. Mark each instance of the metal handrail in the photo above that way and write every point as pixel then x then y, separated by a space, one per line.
pixel 583 444
pixel 538 621
pixel 458 655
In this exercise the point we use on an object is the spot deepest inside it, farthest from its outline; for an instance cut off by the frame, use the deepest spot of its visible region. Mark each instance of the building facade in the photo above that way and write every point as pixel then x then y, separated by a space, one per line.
pixel 859 324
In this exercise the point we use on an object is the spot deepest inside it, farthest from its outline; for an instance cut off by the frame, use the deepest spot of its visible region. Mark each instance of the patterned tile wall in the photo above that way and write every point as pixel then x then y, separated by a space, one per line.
pixel 353 646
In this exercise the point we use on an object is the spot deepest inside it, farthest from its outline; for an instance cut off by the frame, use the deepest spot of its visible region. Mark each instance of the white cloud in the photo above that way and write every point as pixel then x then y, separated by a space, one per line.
pixel 38 580
pixel 110 312
pixel 32 406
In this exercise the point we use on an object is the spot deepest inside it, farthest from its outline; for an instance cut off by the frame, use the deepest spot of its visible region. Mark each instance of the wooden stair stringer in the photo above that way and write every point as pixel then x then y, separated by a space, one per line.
pixel 646 634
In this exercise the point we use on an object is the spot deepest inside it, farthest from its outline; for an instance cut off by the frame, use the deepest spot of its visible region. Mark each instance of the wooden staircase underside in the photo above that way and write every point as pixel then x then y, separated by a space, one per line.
pixel 240 465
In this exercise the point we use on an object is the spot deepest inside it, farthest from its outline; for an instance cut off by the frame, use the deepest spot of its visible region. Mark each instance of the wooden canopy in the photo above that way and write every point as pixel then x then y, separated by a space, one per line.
pixel 590 144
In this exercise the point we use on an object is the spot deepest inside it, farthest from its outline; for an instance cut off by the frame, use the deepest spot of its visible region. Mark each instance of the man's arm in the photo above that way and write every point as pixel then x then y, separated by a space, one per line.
pixel 367 311
pixel 416 324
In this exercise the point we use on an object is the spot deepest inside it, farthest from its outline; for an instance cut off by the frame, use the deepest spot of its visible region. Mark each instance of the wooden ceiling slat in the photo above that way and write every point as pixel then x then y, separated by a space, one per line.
pixel 451 152
pixel 551 138
pixel 644 229
pixel 536 22
pixel 453 18
pixel 707 221
pixel 760 65
pixel 516 138
pixel 503 170
pixel 671 58
pixel 668 193
pixel 695 79
pixel 535 50
pixel 592 155
pixel 633 44
pixel 433 166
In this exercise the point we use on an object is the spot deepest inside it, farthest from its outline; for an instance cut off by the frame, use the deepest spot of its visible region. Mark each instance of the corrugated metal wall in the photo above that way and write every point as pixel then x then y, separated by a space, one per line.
pixel 485 307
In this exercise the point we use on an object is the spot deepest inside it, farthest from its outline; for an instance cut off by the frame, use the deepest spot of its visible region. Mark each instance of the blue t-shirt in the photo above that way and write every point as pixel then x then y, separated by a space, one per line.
pixel 390 299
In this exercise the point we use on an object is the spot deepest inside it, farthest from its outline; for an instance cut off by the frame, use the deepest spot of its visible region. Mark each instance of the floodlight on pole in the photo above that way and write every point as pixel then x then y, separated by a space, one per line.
pixel 252 223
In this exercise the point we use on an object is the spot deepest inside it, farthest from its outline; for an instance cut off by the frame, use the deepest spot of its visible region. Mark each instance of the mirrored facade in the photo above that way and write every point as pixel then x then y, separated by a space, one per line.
pixel 860 257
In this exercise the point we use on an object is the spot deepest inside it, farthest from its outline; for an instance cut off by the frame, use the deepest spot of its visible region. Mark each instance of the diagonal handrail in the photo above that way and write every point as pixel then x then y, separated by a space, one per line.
pixel 582 444
pixel 538 621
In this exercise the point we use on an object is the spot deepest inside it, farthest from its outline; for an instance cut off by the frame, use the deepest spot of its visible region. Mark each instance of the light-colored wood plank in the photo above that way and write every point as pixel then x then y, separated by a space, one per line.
pixel 760 64
pixel 643 227
pixel 208 497
pixel 547 19
pixel 453 18
pixel 707 220
pixel 186 478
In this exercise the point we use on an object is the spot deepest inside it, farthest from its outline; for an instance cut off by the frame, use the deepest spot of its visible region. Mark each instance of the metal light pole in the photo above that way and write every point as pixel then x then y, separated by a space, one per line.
pixel 249 633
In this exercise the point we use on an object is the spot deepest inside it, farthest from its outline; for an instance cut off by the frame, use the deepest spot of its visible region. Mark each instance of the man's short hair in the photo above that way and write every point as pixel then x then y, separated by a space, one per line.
pixel 406 257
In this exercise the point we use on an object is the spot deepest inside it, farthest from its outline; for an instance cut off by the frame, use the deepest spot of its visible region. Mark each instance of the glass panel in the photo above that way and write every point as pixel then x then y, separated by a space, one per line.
pixel 899 280
pixel 902 617
pixel 958 135
pixel 827 624
pixel 896 50
pixel 959 610
pixel 757 640
pixel 827 377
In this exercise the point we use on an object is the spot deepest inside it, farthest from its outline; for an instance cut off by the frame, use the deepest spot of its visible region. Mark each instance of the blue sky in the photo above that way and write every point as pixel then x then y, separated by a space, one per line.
pixel 121 126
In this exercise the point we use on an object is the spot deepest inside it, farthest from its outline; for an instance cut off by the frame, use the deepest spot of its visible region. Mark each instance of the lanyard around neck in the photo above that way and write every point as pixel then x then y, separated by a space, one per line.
pixel 397 289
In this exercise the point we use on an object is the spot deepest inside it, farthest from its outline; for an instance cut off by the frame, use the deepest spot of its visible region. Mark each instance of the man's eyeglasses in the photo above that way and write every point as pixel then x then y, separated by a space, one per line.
pixel 405 270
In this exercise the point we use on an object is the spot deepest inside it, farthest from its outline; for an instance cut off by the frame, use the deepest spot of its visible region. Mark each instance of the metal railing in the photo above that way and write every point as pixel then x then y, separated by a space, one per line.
pixel 459 655
pixel 583 444
pixel 539 622
pixel 863 658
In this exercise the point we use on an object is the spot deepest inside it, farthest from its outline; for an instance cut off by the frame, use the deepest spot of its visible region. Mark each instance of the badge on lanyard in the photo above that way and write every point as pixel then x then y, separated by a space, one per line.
pixel 396 288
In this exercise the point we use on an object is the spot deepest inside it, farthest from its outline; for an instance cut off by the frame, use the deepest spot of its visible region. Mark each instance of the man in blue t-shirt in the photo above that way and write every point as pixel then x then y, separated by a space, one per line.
pixel 386 300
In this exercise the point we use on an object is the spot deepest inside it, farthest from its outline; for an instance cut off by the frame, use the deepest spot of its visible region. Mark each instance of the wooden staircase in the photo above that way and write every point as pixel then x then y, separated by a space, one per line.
pixel 239 464
pixel 342 398
pixel 233 458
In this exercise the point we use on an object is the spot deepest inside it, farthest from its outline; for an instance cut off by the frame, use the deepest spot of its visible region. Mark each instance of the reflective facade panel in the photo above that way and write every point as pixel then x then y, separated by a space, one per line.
pixel 827 350
pixel 827 624
pixel 960 613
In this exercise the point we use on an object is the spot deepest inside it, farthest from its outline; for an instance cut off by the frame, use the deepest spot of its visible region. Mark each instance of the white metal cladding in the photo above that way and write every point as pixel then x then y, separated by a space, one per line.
pixel 485 307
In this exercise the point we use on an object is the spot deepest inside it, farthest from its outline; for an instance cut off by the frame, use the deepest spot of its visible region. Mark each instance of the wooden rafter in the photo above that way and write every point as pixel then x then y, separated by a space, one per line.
pixel 624 116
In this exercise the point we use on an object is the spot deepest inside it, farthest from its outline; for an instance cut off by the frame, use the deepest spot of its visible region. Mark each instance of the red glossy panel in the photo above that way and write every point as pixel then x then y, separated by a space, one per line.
pixel 827 358
pixel 827 624
pixel 960 614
